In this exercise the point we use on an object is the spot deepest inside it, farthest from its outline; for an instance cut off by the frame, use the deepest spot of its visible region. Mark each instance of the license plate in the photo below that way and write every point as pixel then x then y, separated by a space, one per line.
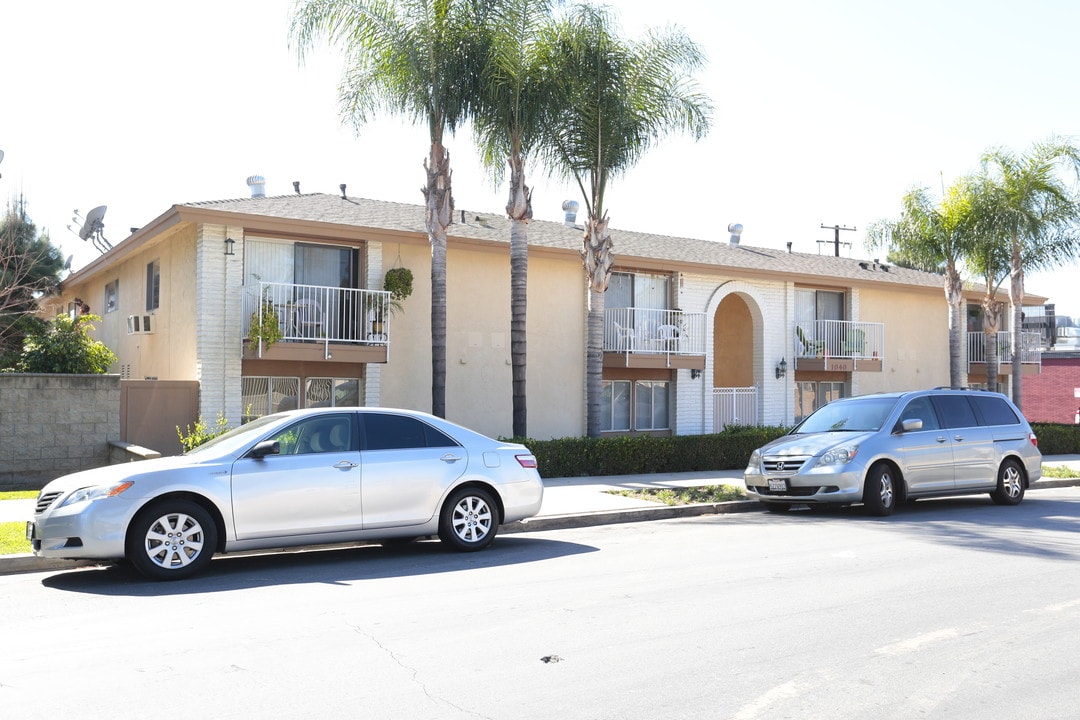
pixel 29 529
pixel 777 485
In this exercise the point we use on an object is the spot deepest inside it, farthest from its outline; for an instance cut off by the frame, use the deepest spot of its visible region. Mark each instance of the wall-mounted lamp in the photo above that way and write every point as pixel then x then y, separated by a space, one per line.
pixel 229 242
pixel 695 373
pixel 781 369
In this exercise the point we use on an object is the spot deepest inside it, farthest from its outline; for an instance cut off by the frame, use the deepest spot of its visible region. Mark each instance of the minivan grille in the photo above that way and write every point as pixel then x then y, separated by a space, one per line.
pixel 44 501
pixel 783 465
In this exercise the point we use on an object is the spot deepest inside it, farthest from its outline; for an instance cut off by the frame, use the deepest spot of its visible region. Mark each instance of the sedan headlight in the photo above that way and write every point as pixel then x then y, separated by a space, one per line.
pixel 839 455
pixel 95 492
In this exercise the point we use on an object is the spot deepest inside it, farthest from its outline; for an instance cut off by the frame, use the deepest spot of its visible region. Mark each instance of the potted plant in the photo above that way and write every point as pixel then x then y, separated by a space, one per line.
pixel 265 326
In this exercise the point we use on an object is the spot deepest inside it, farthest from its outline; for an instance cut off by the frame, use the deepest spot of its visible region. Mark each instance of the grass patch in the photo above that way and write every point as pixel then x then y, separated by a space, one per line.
pixel 19 495
pixel 13 538
pixel 1059 471
pixel 685 496
pixel 13 534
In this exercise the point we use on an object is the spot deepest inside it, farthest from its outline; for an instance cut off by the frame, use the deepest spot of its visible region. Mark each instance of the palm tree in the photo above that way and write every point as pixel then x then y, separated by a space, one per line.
pixel 1035 210
pixel 988 257
pixel 506 125
pixel 419 59
pixel 935 237
pixel 614 100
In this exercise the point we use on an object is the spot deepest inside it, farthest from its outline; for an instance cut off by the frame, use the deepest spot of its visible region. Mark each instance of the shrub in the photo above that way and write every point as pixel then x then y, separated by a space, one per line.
pixel 632 455
pixel 1057 438
pixel 201 433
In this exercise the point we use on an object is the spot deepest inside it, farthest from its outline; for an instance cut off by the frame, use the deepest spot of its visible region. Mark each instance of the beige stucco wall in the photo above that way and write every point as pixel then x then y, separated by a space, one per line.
pixel 169 352
pixel 478 371
pixel 916 339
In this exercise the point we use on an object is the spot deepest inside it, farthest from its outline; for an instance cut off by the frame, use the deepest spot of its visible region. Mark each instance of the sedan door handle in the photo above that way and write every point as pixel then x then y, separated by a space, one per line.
pixel 345 465
pixel 450 458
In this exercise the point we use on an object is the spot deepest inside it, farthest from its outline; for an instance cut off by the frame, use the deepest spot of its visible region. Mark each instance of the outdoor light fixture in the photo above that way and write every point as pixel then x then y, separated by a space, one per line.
pixel 781 369
pixel 695 374
pixel 229 242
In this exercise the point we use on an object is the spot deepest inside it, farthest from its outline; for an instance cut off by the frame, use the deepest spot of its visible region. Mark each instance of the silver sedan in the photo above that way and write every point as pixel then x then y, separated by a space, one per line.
pixel 295 478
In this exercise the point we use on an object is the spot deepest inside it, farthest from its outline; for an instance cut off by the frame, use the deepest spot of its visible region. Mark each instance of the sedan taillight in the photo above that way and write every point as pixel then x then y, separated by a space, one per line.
pixel 526 461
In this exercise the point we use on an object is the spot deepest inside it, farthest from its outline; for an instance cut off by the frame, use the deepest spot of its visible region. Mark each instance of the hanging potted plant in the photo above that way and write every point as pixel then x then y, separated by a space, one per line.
pixel 398 282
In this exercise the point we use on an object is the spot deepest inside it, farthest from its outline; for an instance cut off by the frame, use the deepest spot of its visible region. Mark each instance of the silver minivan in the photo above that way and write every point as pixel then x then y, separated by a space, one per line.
pixel 879 450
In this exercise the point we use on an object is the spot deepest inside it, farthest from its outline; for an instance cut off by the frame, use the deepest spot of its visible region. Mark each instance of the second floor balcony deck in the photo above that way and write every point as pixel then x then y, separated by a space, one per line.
pixel 354 322
pixel 839 346
pixel 1030 353
pixel 654 338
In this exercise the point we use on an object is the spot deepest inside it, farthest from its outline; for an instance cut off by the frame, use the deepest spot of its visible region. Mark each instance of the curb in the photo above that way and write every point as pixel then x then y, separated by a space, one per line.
pixel 26 563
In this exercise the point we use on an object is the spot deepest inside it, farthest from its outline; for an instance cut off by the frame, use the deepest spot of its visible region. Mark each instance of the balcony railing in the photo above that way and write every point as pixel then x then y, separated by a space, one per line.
pixel 323 314
pixel 839 339
pixel 653 331
pixel 1030 351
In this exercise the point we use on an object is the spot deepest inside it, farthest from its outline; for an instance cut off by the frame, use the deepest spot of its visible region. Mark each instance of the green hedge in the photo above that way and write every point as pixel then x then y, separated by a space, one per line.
pixel 1057 438
pixel 728 450
pixel 577 457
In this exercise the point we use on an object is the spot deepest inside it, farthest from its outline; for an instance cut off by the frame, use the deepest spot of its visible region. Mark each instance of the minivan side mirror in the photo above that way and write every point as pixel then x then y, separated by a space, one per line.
pixel 266 447
pixel 911 424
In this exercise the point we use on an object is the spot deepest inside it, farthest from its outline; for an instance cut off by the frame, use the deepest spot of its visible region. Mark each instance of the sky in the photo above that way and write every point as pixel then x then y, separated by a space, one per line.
pixel 826 113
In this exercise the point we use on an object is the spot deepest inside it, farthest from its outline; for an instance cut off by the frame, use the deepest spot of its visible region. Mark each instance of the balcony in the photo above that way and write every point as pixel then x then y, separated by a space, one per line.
pixel 839 346
pixel 315 321
pixel 654 338
pixel 1030 352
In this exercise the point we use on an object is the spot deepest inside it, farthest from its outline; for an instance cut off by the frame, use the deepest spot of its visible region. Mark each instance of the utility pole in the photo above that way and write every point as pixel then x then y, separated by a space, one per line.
pixel 836 229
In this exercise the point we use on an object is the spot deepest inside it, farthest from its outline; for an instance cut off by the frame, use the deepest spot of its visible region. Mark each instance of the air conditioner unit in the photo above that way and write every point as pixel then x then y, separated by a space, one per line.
pixel 139 325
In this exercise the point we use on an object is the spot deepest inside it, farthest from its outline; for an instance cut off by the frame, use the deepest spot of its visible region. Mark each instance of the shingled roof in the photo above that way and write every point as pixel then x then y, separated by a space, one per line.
pixel 631 248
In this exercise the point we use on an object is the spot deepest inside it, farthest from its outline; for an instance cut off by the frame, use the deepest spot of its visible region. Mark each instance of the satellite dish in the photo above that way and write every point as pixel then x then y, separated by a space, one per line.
pixel 93 229
pixel 93 222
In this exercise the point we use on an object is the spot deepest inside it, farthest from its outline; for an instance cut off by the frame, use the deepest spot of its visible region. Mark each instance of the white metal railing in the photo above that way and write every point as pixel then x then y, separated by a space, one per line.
pixel 1030 351
pixel 324 314
pixel 651 330
pixel 734 406
pixel 839 339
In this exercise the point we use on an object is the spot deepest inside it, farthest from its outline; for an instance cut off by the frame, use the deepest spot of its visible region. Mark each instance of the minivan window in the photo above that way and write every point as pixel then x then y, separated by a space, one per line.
pixel 921 409
pixel 955 411
pixel 994 411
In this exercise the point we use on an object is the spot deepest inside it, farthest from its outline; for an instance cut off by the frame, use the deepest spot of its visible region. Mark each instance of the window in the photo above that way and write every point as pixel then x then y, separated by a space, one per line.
pixel 993 410
pixel 153 285
pixel 385 431
pixel 112 296
pixel 322 434
pixel 266 395
pixel 331 392
pixel 639 405
pixel 809 396
pixel 955 411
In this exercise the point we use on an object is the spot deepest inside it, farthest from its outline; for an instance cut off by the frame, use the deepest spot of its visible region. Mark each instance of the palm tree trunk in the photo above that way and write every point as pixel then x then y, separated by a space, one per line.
pixel 954 296
pixel 1016 296
pixel 991 323
pixel 598 259
pixel 438 212
pixel 519 209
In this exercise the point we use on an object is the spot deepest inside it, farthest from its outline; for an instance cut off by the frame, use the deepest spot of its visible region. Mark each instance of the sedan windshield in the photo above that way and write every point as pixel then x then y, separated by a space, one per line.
pixel 861 415
pixel 236 438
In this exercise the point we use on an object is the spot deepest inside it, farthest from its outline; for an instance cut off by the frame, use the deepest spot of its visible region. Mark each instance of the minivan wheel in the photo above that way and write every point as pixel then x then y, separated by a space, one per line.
pixel 171 539
pixel 1010 484
pixel 879 491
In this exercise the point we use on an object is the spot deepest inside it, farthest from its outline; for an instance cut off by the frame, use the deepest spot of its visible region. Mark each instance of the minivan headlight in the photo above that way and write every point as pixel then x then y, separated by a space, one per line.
pixel 755 459
pixel 839 455
pixel 95 492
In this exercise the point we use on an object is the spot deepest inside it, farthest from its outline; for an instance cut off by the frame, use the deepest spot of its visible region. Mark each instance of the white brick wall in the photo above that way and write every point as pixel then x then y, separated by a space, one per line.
pixel 219 302
pixel 772 309
pixel 372 395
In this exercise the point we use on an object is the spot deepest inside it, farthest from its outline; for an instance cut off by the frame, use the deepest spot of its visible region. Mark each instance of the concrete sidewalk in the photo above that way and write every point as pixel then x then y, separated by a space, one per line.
pixel 568 502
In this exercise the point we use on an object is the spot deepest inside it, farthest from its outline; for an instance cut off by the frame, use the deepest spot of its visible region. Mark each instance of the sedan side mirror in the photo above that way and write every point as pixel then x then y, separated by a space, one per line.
pixel 266 447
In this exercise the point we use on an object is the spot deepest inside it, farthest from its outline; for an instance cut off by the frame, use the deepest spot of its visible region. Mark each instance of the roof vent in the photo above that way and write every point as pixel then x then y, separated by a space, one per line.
pixel 342 188
pixel 296 186
pixel 570 208
pixel 736 230
pixel 257 183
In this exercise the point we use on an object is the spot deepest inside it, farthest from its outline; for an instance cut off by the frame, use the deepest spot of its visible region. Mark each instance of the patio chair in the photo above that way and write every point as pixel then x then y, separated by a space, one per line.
pixel 811 348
